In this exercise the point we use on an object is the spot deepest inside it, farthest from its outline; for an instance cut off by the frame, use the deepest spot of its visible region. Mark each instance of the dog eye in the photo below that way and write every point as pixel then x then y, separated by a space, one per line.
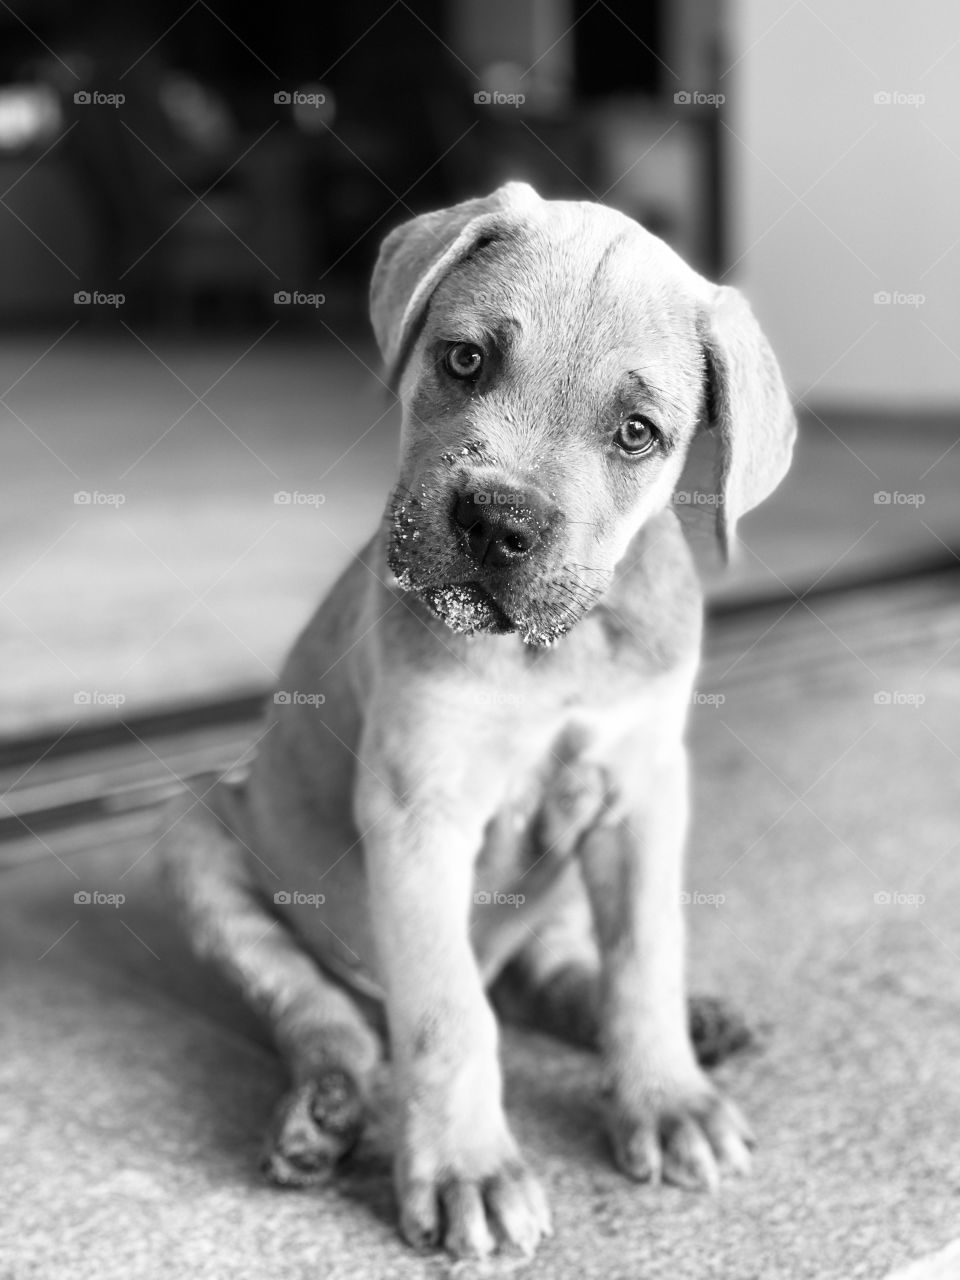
pixel 463 360
pixel 636 436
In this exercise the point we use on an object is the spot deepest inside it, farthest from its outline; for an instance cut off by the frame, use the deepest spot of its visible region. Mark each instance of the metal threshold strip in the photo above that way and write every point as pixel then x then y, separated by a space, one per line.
pixel 121 770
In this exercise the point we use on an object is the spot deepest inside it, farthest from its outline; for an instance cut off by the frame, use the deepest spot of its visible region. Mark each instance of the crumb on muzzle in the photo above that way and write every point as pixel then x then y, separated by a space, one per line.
pixel 466 608
pixel 540 613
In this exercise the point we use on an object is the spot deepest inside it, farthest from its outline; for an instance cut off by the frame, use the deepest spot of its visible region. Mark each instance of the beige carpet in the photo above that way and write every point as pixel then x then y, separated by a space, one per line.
pixel 135 1090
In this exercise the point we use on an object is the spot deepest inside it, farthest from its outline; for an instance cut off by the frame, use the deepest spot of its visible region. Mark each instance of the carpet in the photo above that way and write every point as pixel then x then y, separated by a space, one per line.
pixel 822 885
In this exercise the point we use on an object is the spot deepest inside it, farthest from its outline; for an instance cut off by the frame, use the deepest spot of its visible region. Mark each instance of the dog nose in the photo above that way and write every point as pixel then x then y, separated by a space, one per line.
pixel 499 529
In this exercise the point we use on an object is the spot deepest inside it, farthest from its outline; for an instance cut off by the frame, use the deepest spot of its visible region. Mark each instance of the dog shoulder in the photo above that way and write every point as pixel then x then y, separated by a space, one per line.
pixel 652 615
pixel 344 616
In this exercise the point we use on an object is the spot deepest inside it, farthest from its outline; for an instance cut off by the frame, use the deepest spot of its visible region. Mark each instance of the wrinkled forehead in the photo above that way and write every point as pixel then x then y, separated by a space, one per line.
pixel 590 295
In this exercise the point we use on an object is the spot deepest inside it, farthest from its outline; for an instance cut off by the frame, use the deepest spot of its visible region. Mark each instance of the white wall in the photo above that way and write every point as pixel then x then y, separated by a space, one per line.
pixel 880 188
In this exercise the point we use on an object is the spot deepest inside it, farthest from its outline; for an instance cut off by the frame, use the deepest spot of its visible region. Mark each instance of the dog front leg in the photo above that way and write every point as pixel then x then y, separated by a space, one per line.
pixel 666 1118
pixel 460 1178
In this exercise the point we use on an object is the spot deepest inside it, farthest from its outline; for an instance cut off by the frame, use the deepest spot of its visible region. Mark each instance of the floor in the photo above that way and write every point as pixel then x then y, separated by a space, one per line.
pixel 184 576
pixel 823 901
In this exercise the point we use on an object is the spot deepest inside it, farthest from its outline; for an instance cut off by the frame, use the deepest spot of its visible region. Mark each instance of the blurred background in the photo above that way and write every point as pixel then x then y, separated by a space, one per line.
pixel 190 206
pixel 196 439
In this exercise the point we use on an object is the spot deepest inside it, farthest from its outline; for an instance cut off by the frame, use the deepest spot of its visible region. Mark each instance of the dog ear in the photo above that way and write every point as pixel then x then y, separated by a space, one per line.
pixel 748 405
pixel 416 256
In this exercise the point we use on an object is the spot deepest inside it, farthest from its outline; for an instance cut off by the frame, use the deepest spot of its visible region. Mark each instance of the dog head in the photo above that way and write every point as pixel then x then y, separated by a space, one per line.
pixel 554 361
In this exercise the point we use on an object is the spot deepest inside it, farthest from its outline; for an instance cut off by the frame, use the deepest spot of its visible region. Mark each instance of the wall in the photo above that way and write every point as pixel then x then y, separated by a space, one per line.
pixel 836 197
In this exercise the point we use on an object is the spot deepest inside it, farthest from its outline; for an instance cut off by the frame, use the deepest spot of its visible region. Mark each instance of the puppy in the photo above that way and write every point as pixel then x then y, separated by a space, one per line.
pixel 492 795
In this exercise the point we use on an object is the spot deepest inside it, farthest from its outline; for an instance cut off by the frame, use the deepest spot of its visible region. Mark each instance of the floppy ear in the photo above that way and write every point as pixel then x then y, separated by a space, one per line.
pixel 748 405
pixel 416 256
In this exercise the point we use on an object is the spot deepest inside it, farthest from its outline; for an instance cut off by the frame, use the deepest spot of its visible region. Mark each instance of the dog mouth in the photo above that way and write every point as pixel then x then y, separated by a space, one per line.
pixel 467 608
pixel 540 611
pixel 470 609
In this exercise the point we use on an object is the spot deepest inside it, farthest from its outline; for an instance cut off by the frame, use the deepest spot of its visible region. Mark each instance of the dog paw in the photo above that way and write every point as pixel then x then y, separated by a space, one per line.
pixel 473 1215
pixel 717 1030
pixel 689 1136
pixel 314 1127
